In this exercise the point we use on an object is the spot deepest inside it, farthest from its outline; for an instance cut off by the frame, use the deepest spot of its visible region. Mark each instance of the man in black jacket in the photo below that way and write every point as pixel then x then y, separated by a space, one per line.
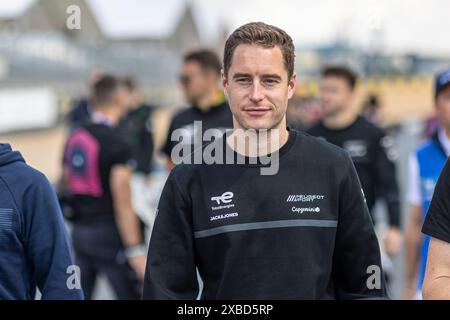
pixel 199 79
pixel 370 148
pixel 294 227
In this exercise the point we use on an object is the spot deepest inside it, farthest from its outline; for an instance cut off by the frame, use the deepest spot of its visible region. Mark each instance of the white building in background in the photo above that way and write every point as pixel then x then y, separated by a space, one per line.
pixel 49 16
pixel 173 26
pixel 36 45
pixel 37 50
pixel 27 108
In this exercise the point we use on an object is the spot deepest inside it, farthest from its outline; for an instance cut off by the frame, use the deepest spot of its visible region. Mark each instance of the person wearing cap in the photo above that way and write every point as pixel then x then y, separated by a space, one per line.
pixel 425 165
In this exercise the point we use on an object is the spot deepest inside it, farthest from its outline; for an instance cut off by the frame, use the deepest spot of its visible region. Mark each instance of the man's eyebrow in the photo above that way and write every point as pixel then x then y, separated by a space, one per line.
pixel 241 75
pixel 270 75
pixel 273 75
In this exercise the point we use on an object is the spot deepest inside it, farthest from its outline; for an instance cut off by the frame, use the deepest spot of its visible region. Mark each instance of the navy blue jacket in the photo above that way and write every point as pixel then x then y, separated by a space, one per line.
pixel 34 246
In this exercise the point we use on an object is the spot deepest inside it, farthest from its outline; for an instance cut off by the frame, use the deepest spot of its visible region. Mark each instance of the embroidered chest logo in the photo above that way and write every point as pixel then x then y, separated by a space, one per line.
pixel 223 202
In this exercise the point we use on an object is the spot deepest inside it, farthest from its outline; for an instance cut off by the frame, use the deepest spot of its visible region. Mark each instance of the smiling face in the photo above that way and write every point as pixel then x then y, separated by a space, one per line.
pixel 258 88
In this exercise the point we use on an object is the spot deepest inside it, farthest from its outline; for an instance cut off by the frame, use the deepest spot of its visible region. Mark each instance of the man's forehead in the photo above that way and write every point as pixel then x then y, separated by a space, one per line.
pixel 191 64
pixel 250 58
pixel 334 79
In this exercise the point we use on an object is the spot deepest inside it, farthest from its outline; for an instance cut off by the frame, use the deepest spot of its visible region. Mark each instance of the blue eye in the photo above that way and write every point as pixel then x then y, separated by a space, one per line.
pixel 270 82
pixel 243 80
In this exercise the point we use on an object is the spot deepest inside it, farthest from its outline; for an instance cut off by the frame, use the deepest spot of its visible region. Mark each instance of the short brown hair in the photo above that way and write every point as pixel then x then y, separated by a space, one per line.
pixel 104 89
pixel 207 59
pixel 343 72
pixel 130 83
pixel 264 35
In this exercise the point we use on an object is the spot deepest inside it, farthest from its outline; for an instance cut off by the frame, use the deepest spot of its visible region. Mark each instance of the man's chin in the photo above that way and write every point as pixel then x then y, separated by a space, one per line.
pixel 258 125
pixel 330 112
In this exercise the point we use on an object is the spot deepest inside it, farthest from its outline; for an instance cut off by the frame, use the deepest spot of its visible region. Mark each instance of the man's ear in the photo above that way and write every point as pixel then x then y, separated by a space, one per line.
pixel 223 78
pixel 224 82
pixel 436 104
pixel 213 78
pixel 292 85
pixel 116 97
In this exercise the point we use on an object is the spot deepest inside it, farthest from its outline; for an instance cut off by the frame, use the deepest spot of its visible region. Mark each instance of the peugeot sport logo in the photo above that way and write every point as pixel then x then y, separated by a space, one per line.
pixel 304 197
pixel 224 198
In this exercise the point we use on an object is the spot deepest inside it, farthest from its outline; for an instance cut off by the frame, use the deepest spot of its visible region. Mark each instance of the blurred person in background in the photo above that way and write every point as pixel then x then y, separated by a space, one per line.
pixel 98 165
pixel 425 165
pixel 430 126
pixel 137 128
pixel 199 79
pixel 303 112
pixel 371 109
pixel 34 245
pixel 82 108
pixel 369 147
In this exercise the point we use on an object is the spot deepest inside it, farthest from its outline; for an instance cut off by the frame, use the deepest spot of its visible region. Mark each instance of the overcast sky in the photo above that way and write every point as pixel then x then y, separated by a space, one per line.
pixel 396 25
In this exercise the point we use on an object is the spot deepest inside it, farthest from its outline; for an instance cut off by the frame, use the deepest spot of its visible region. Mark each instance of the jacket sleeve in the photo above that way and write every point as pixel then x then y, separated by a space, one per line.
pixel 357 270
pixel 386 178
pixel 47 244
pixel 171 268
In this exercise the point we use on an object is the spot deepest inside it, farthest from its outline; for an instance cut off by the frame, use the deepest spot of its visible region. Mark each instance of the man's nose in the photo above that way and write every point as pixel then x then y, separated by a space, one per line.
pixel 257 92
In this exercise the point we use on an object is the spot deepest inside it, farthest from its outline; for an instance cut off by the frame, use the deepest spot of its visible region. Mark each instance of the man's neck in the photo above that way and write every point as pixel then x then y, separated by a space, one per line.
pixel 257 143
pixel 447 133
pixel 107 115
pixel 210 99
pixel 340 120
pixel 444 139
